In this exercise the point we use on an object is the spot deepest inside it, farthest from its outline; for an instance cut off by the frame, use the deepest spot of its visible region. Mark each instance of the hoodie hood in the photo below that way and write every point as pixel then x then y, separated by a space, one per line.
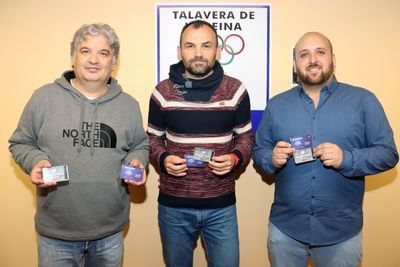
pixel 65 82
pixel 114 90
pixel 195 89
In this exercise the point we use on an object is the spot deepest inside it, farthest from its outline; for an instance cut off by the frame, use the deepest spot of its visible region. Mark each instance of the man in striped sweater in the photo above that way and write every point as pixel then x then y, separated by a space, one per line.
pixel 199 107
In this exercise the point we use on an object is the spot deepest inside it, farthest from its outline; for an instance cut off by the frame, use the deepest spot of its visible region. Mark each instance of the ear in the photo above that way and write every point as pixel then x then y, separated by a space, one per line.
pixel 73 61
pixel 334 61
pixel 179 53
pixel 294 66
pixel 114 63
pixel 218 53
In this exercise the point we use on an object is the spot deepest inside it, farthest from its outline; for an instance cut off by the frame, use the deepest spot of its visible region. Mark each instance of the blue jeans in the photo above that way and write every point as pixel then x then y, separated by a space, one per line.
pixel 285 251
pixel 97 253
pixel 180 228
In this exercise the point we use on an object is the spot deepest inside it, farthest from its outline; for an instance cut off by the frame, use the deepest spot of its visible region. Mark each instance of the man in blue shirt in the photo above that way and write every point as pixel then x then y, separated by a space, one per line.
pixel 317 210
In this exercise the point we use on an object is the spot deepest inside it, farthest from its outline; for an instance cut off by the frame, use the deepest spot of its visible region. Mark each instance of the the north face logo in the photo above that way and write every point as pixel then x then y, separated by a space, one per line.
pixel 102 134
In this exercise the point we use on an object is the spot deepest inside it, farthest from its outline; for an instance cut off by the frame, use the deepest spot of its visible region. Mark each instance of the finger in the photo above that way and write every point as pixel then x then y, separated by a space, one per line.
pixel 222 158
pixel 43 185
pixel 135 163
pixel 135 183
pixel 215 164
pixel 220 172
pixel 176 168
pixel 178 174
pixel 283 144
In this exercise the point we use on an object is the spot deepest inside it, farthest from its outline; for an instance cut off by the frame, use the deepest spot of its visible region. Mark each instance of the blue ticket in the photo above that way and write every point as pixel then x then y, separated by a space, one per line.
pixel 304 149
pixel 132 173
pixel 192 162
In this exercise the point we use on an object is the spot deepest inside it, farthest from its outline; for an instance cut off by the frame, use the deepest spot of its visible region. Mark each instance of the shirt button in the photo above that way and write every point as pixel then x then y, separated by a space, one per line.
pixel 312 213
pixel 313 177
pixel 312 197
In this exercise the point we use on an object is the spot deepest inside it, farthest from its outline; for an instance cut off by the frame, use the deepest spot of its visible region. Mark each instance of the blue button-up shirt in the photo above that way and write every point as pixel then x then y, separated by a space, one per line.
pixel 315 204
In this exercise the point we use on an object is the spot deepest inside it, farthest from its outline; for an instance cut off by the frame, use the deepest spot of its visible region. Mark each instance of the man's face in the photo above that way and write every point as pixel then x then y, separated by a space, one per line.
pixel 199 51
pixel 93 60
pixel 314 62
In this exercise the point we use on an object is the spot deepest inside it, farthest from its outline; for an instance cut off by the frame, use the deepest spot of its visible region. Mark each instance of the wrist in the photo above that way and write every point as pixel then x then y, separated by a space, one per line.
pixel 235 158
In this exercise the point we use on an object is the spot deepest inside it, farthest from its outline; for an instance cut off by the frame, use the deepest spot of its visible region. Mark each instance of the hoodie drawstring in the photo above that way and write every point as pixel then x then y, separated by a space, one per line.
pixel 83 105
pixel 94 118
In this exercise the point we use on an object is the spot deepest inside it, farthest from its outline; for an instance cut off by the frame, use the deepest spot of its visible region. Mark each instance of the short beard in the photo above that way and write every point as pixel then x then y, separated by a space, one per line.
pixel 199 73
pixel 320 80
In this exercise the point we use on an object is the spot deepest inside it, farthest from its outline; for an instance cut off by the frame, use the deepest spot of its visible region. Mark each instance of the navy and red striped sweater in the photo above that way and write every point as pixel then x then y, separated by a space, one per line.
pixel 176 126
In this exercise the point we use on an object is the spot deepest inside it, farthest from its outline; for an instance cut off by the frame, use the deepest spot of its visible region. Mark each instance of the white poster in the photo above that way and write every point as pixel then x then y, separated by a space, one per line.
pixel 244 37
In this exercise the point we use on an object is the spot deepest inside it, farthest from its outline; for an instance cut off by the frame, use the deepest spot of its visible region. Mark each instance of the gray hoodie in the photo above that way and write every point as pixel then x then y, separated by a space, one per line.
pixel 94 138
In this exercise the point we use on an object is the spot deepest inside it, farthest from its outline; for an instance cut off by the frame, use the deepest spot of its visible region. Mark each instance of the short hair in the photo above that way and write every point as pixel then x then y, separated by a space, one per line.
pixel 198 24
pixel 96 29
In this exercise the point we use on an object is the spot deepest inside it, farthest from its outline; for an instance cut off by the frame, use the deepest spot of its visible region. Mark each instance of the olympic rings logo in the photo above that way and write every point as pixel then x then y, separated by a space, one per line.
pixel 228 48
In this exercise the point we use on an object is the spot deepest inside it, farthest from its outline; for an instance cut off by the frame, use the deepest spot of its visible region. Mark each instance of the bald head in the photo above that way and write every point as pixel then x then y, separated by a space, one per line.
pixel 312 38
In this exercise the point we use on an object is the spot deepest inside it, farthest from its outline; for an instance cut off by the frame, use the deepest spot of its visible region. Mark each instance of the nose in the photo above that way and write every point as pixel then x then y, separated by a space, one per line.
pixel 313 57
pixel 198 52
pixel 93 58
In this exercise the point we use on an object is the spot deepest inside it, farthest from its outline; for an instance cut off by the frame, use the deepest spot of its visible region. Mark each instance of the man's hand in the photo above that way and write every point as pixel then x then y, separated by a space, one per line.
pixel 330 154
pixel 37 174
pixel 222 164
pixel 136 163
pixel 175 166
pixel 281 153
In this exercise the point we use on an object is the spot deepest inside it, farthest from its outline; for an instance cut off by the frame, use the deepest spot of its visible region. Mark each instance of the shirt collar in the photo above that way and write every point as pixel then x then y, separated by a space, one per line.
pixel 330 88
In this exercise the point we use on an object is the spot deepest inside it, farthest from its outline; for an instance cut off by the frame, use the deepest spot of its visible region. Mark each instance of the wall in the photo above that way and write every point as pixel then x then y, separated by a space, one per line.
pixel 35 50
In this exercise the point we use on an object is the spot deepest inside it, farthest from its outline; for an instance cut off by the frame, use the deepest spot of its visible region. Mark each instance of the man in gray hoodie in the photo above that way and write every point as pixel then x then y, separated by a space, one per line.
pixel 85 121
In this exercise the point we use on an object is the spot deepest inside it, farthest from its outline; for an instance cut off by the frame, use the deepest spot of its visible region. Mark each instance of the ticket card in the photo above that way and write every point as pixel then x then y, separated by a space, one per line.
pixel 55 174
pixel 203 154
pixel 191 162
pixel 132 173
pixel 304 150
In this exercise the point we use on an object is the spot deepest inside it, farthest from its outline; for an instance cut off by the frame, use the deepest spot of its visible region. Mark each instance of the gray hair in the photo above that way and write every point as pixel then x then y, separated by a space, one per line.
pixel 96 29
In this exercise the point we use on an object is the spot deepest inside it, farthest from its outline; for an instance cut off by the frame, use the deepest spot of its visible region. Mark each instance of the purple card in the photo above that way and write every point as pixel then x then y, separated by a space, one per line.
pixel 304 149
pixel 192 162
pixel 132 173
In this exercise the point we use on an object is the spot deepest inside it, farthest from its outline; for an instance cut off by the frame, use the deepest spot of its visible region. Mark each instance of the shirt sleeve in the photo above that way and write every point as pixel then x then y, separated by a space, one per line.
pixel 380 152
pixel 262 152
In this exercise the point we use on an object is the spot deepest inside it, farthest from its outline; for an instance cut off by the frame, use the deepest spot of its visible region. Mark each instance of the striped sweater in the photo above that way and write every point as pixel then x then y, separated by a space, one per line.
pixel 177 126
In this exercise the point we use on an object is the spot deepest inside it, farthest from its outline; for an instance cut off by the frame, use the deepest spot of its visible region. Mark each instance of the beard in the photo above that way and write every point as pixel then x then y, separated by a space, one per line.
pixel 321 79
pixel 199 67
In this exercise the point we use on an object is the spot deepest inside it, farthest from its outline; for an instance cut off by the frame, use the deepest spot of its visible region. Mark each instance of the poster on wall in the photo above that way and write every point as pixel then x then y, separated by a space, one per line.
pixel 243 35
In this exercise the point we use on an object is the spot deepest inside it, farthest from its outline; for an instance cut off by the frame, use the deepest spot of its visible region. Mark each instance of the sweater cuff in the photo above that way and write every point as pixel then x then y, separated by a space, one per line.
pixel 239 155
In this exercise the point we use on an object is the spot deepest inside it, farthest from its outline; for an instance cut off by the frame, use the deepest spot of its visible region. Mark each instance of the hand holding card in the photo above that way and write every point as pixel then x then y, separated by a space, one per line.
pixel 132 173
pixel 55 174
pixel 304 149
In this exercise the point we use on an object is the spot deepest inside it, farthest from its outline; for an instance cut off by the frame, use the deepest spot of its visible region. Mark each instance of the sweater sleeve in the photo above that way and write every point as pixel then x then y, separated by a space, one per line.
pixel 23 143
pixel 156 130
pixel 243 133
